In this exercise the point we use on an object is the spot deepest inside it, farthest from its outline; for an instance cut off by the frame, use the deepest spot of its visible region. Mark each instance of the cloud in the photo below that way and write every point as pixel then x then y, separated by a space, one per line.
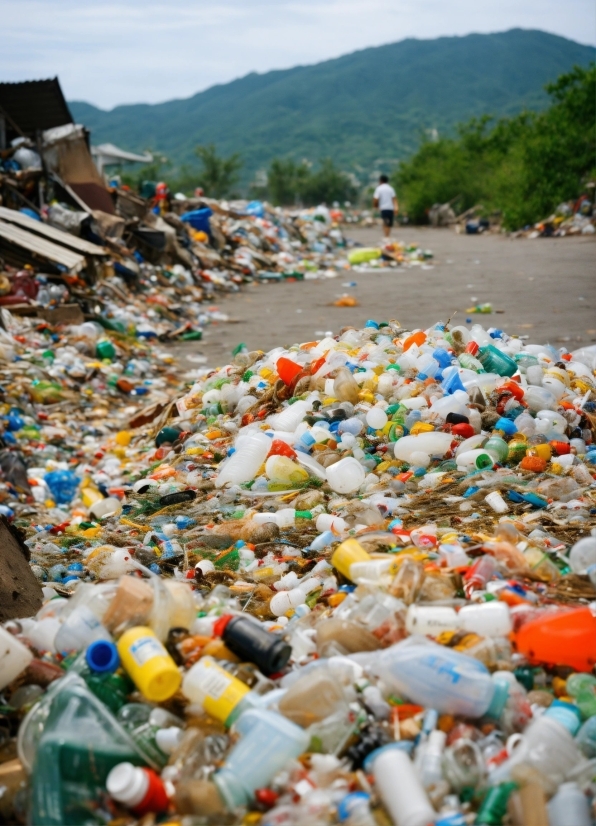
pixel 108 52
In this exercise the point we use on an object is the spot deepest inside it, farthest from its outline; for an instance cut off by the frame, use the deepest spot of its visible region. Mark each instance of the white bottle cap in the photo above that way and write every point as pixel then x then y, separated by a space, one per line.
pixel 127 784
pixel 168 739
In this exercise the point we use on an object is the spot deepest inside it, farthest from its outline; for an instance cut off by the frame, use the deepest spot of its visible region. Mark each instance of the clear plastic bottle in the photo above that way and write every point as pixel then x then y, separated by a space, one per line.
pixel 440 678
pixel 274 739
pixel 250 453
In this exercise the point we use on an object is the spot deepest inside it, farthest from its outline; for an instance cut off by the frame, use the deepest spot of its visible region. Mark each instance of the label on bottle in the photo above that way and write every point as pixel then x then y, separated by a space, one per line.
pixel 145 649
pixel 222 691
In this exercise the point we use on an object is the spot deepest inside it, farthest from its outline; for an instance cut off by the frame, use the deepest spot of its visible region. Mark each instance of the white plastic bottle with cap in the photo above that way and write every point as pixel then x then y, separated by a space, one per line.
pixel 399 787
pixel 284 600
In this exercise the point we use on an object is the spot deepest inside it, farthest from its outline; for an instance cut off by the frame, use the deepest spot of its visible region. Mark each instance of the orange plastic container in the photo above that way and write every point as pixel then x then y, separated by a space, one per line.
pixel 566 637
pixel 287 370
pixel 416 338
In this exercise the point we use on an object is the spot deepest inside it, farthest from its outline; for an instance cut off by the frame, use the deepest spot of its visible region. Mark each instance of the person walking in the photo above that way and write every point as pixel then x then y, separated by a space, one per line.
pixel 385 200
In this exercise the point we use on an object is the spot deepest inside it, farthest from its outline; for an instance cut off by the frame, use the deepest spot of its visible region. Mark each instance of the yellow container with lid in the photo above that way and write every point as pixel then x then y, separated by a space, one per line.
pixel 346 554
pixel 148 664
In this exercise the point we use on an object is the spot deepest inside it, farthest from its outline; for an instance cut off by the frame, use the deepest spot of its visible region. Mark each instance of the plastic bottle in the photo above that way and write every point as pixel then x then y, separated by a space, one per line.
pixel 270 736
pixel 139 789
pixel 431 620
pixel 399 787
pixel 565 637
pixel 79 743
pixel 547 745
pixel 14 657
pixel 247 638
pixel 148 664
pixel 429 767
pixel 495 361
pixel 250 453
pixel 220 694
pixel 487 619
pixel 569 807
pixel 284 601
pixel 440 678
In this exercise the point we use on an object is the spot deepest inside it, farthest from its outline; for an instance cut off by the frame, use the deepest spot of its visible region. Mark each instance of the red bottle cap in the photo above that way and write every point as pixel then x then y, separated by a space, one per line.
pixel 219 625
pixel 472 348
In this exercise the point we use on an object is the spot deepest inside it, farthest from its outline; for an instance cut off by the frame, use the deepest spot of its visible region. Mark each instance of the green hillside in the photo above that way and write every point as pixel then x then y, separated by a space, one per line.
pixel 364 109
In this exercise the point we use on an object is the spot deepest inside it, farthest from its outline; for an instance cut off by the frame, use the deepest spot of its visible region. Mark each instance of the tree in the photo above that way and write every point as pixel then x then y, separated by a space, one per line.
pixel 219 174
pixel 286 180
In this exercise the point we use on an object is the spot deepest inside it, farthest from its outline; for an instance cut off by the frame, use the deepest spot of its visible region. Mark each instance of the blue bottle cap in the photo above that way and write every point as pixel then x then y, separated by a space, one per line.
pixel 506 425
pixel 102 656
pixel 372 323
pixel 348 803
pixel 566 714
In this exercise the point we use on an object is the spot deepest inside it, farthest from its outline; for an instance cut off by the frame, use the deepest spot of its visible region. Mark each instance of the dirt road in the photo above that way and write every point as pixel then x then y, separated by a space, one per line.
pixel 542 288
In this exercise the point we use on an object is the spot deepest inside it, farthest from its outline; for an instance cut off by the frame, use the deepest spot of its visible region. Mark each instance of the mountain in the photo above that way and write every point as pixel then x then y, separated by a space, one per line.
pixel 365 110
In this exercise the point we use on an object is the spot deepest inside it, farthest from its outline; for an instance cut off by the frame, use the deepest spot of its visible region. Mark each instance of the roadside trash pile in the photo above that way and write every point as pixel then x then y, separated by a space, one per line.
pixel 352 581
pixel 573 218
pixel 390 254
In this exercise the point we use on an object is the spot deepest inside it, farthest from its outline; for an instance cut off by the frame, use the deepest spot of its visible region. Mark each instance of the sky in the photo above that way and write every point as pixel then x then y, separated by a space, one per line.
pixel 109 52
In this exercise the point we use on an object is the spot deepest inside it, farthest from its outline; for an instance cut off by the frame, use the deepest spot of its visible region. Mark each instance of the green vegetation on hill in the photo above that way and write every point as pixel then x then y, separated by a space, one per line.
pixel 366 110
pixel 522 166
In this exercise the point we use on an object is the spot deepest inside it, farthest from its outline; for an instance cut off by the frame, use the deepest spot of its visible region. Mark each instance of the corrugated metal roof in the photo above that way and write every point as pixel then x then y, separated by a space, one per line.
pixel 35 104
pixel 37 245
pixel 58 235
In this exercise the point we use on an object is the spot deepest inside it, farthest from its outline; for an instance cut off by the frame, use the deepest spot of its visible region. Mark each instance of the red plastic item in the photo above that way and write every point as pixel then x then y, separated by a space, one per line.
pixel 472 348
pixel 463 429
pixel 287 370
pixel 565 637
pixel 156 798
pixel 281 448
pixel 561 448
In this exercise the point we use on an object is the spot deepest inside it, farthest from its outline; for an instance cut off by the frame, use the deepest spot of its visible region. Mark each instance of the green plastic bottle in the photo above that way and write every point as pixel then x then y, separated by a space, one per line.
pixel 494 361
pixel 80 743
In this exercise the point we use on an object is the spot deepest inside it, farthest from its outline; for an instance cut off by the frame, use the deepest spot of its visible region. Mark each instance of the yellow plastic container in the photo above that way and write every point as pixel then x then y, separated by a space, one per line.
pixel 346 554
pixel 148 664
pixel 217 691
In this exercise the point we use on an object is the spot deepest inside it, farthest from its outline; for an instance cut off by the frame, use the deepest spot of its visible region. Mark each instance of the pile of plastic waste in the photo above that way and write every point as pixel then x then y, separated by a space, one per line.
pixel 390 254
pixel 573 218
pixel 352 581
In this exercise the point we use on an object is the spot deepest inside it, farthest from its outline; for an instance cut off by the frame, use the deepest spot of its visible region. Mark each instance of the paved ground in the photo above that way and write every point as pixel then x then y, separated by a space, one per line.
pixel 542 288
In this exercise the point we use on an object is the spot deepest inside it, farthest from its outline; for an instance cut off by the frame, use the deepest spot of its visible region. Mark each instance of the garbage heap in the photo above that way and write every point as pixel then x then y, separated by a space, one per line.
pixel 349 581
pixel 569 218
